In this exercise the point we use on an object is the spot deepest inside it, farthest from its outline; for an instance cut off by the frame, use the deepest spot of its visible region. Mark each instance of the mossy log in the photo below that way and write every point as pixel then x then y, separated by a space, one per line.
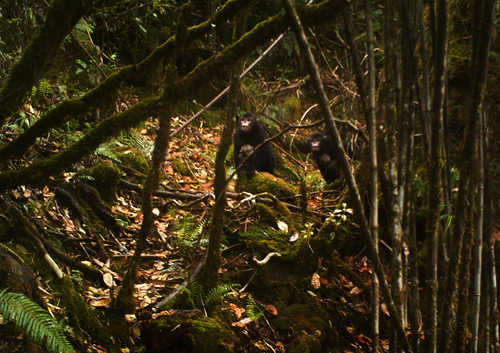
pixel 189 332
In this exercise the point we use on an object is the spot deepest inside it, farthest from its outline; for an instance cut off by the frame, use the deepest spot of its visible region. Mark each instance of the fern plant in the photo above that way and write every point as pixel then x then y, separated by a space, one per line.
pixel 34 320
pixel 198 299
pixel 219 292
pixel 252 311
pixel 189 232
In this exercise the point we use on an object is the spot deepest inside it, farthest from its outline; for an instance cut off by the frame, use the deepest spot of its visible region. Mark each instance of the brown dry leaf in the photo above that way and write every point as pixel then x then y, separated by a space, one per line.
pixel 47 194
pixel 260 346
pixel 130 317
pixel 145 302
pixel 272 309
pixel 243 322
pixel 364 339
pixel 108 279
pixel 236 310
pixel 315 281
pixel 312 294
pixel 355 291
pixel 324 281
pixel 100 349
pixel 163 313
pixel 101 302
pixel 27 193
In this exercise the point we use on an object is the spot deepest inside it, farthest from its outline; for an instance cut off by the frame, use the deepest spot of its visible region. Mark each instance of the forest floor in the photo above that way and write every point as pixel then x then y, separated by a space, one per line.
pixel 178 245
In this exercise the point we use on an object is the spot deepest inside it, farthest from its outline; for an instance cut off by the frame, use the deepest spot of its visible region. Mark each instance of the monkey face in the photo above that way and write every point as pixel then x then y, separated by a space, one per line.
pixel 245 151
pixel 316 144
pixel 246 123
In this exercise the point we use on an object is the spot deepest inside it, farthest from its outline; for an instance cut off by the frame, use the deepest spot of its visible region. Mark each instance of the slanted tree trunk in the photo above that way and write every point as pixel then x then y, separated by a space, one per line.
pixel 210 278
pixel 61 17
pixel 124 301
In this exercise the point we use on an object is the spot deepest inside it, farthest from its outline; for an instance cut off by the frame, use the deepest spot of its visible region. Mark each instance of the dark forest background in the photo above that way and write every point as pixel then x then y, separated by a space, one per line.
pixel 124 228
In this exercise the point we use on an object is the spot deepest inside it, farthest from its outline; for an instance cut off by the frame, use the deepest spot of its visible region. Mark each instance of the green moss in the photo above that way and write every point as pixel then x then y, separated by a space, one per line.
pixel 317 325
pixel 190 333
pixel 210 336
pixel 213 118
pixel 304 343
pixel 104 177
pixel 81 315
pixel 136 160
pixel 265 182
pixel 181 167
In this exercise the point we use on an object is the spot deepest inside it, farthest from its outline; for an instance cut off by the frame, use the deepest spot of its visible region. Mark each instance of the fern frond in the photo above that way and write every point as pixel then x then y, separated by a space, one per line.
pixel 189 231
pixel 104 150
pixel 219 292
pixel 34 320
pixel 196 294
pixel 252 311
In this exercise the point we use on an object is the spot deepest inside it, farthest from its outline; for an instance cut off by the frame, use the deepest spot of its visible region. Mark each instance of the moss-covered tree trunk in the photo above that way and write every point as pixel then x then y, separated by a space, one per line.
pixel 210 276
pixel 124 302
pixel 62 15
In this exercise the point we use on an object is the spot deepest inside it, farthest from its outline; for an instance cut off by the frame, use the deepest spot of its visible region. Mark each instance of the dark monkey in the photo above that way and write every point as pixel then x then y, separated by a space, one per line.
pixel 248 135
pixel 324 155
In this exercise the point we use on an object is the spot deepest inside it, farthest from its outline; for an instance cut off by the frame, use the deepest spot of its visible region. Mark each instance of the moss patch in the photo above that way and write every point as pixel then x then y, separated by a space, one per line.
pixel 190 333
pixel 135 159
pixel 104 177
pixel 265 182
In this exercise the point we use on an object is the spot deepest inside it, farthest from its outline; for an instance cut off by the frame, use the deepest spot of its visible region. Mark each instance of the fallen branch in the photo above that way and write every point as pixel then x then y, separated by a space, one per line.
pixel 192 197
pixel 266 259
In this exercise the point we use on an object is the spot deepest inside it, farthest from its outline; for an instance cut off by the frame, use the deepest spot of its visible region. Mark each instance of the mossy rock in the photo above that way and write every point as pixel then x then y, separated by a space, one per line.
pixel 305 343
pixel 181 167
pixel 104 177
pixel 264 240
pixel 271 214
pixel 135 159
pixel 188 332
pixel 18 277
pixel 316 325
pixel 329 238
pixel 264 182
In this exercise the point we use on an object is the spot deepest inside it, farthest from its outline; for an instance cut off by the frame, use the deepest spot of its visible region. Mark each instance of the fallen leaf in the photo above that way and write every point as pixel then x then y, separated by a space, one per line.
pixel 383 306
pixel 130 317
pixel 312 294
pixel 294 237
pixel 272 309
pixel 315 281
pixel 236 310
pixel 108 279
pixel 283 226
pixel 243 322
pixel 104 302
